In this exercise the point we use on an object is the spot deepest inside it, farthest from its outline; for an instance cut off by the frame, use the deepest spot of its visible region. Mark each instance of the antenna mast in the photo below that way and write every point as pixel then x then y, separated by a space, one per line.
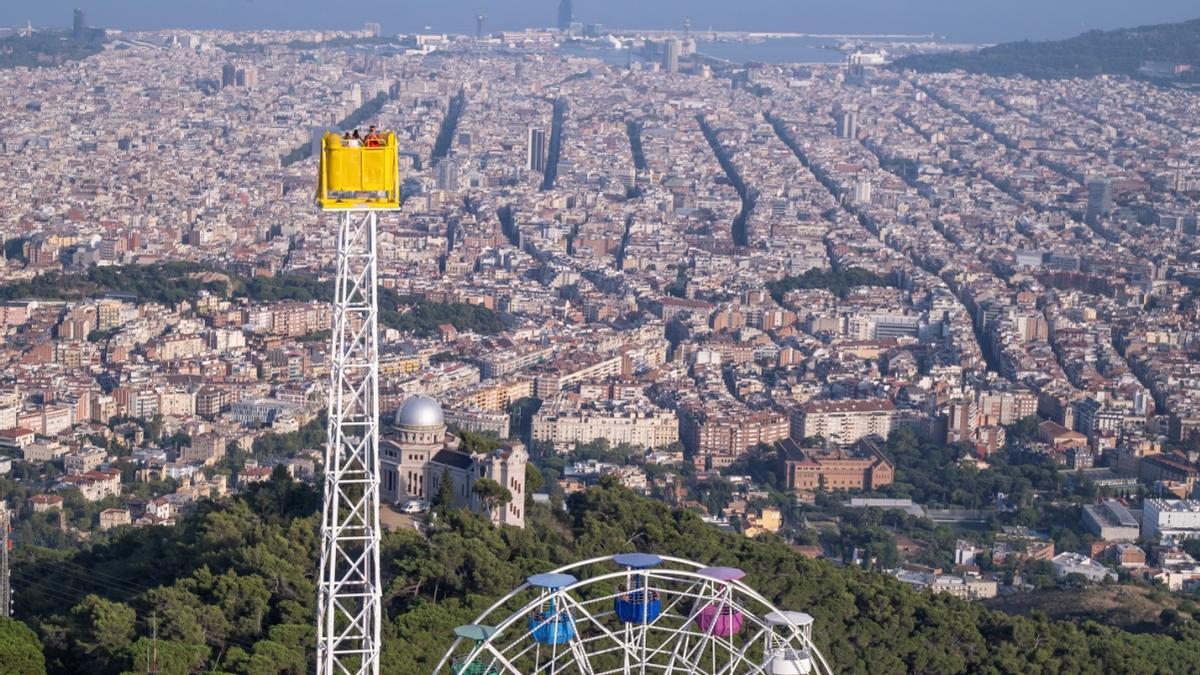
pixel 5 572
pixel 153 657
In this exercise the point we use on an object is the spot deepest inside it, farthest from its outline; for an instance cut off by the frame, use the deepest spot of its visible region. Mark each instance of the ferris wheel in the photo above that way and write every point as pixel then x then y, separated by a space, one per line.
pixel 635 613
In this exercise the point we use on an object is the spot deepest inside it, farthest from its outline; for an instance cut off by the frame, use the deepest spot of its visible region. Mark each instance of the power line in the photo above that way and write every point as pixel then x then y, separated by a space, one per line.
pixel 64 593
pixel 112 581
pixel 69 596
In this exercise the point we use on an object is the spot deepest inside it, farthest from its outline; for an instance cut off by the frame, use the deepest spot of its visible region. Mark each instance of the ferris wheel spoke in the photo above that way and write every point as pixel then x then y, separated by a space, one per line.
pixel 708 641
pixel 669 643
pixel 697 653
pixel 581 658
pixel 681 645
pixel 497 656
pixel 739 657
pixel 603 629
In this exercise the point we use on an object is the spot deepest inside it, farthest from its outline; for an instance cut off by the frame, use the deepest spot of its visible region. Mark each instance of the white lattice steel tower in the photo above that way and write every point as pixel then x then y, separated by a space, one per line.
pixel 358 182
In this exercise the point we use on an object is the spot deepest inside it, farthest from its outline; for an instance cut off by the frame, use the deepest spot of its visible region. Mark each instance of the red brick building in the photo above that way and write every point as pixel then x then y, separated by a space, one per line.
pixel 862 466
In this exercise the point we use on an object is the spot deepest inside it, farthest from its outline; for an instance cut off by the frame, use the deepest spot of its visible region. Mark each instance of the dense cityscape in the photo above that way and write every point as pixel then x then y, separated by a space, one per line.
pixel 941 326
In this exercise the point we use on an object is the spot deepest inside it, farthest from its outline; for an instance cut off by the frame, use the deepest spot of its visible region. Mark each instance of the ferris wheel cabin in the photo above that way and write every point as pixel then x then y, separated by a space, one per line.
pixel 637 604
pixel 551 623
pixel 719 617
pixel 478 634
pixel 781 655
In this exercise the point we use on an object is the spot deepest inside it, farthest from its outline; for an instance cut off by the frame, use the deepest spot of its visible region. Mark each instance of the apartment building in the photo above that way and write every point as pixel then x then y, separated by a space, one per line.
pixel 565 422
pixel 843 422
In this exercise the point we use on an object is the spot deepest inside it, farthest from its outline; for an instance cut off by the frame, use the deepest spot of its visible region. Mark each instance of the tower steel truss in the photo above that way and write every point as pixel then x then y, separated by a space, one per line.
pixel 349 613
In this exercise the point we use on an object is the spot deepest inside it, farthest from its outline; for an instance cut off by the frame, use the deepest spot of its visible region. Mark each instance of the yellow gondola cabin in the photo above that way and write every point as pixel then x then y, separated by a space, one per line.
pixel 358 177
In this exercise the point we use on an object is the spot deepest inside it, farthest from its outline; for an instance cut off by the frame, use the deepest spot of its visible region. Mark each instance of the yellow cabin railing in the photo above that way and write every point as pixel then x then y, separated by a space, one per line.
pixel 355 178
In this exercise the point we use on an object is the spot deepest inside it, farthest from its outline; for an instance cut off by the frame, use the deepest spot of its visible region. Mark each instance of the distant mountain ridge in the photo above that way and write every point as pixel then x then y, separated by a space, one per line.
pixel 1168 52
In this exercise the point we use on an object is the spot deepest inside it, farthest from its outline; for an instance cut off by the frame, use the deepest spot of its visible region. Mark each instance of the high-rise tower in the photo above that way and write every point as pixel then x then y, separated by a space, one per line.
pixel 671 50
pixel 566 14
pixel 847 124
pixel 78 26
pixel 535 151
pixel 1099 201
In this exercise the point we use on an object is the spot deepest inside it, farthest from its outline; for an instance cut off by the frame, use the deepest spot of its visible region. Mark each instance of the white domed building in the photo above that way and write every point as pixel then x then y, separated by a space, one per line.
pixel 419 451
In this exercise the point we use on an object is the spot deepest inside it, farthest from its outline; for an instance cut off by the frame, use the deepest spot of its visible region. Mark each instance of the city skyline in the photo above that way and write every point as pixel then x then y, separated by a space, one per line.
pixel 965 22
pixel 315 348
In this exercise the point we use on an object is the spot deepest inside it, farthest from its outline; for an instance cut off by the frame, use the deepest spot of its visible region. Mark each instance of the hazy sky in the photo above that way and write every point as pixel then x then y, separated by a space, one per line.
pixel 966 20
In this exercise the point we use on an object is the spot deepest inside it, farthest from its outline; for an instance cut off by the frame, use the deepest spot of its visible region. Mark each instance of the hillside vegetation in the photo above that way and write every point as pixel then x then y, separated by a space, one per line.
pixel 47 48
pixel 1115 52
pixel 231 589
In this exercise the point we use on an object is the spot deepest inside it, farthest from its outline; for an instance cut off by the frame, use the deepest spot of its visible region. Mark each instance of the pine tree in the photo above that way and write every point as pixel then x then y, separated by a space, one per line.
pixel 444 499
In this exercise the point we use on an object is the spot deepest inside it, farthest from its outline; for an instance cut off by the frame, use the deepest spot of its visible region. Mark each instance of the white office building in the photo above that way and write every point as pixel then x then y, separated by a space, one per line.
pixel 1074 563
pixel 1167 520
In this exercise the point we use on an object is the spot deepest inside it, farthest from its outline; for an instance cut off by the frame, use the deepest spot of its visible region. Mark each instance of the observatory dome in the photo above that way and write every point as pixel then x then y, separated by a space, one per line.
pixel 420 411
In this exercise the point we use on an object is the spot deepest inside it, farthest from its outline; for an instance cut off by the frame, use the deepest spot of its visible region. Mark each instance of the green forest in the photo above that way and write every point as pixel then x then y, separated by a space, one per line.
pixel 166 283
pixel 230 589
pixel 176 282
pixel 1116 52
pixel 838 282
pixel 933 473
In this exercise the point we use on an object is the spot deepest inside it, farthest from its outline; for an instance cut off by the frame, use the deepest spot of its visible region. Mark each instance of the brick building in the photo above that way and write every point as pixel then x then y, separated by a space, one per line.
pixel 862 466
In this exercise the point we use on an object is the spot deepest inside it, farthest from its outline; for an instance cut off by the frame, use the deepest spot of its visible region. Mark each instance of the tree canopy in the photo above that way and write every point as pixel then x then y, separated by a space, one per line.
pixel 20 651
pixel 932 473
pixel 165 283
pixel 231 589
pixel 839 282
pixel 176 282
